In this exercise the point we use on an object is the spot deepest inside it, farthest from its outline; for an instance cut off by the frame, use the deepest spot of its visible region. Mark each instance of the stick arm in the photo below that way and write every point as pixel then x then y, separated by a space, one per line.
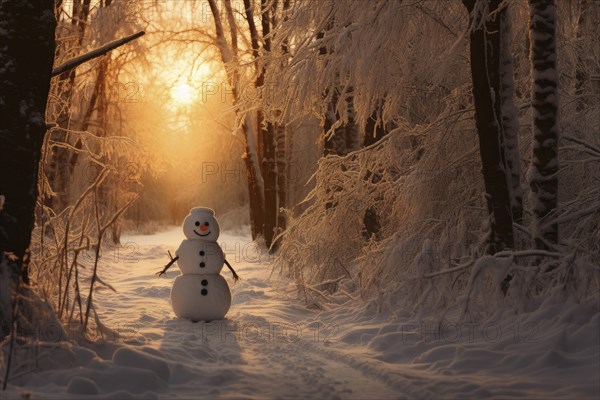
pixel 159 273
pixel 235 276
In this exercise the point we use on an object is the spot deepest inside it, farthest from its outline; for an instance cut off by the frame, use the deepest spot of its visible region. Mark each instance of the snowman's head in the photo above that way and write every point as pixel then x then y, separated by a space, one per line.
pixel 201 223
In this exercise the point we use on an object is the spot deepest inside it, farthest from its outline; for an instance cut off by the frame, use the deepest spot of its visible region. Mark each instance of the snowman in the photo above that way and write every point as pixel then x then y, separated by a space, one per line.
pixel 200 293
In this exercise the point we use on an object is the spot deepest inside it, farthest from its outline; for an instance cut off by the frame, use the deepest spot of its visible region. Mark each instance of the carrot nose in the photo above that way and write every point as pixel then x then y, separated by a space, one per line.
pixel 204 228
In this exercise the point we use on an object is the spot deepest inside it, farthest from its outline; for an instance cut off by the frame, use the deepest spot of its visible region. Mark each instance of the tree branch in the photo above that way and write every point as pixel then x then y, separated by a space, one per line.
pixel 74 62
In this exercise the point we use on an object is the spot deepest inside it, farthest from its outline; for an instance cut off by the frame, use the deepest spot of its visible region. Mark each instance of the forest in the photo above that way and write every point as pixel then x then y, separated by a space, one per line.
pixel 381 171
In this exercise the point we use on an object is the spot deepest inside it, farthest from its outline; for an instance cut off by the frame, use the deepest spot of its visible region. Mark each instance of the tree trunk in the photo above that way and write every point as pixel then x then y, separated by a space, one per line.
pixel 108 189
pixel 27 54
pixel 485 73
pixel 282 151
pixel 254 179
pixel 543 176
pixel 229 56
pixel 255 182
pixel 351 130
pixel 282 182
pixel 270 183
pixel 510 121
pixel 267 133
pixel 374 132
pixel 581 75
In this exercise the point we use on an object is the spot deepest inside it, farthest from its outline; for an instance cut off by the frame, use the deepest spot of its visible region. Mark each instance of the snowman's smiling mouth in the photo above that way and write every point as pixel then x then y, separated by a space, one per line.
pixel 207 233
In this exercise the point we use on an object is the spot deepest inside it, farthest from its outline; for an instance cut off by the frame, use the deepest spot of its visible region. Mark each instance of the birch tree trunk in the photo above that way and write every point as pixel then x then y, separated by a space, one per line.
pixel 543 175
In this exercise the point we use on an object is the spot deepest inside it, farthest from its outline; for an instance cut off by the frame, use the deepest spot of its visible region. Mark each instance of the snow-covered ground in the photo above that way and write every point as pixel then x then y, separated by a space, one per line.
pixel 272 346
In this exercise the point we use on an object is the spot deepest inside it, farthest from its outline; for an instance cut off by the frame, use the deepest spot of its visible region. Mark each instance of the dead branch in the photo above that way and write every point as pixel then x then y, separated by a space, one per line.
pixel 74 62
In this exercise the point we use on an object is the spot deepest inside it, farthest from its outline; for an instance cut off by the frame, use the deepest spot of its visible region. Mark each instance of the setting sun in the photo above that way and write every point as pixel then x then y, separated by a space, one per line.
pixel 182 93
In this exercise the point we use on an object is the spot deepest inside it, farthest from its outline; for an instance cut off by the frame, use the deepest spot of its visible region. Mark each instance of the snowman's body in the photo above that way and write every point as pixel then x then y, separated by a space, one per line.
pixel 200 293
pixel 200 297
pixel 199 256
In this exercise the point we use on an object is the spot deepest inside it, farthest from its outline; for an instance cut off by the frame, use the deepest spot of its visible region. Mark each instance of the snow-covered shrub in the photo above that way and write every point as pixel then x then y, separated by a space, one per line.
pixel 426 202
pixel 428 251
pixel 423 181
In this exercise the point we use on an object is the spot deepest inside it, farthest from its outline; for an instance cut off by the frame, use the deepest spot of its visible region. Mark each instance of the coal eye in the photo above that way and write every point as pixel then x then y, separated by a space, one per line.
pixel 206 224
pixel 197 223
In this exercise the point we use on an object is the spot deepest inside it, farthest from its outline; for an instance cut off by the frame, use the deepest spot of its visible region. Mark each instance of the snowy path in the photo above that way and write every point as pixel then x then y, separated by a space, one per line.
pixel 271 346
